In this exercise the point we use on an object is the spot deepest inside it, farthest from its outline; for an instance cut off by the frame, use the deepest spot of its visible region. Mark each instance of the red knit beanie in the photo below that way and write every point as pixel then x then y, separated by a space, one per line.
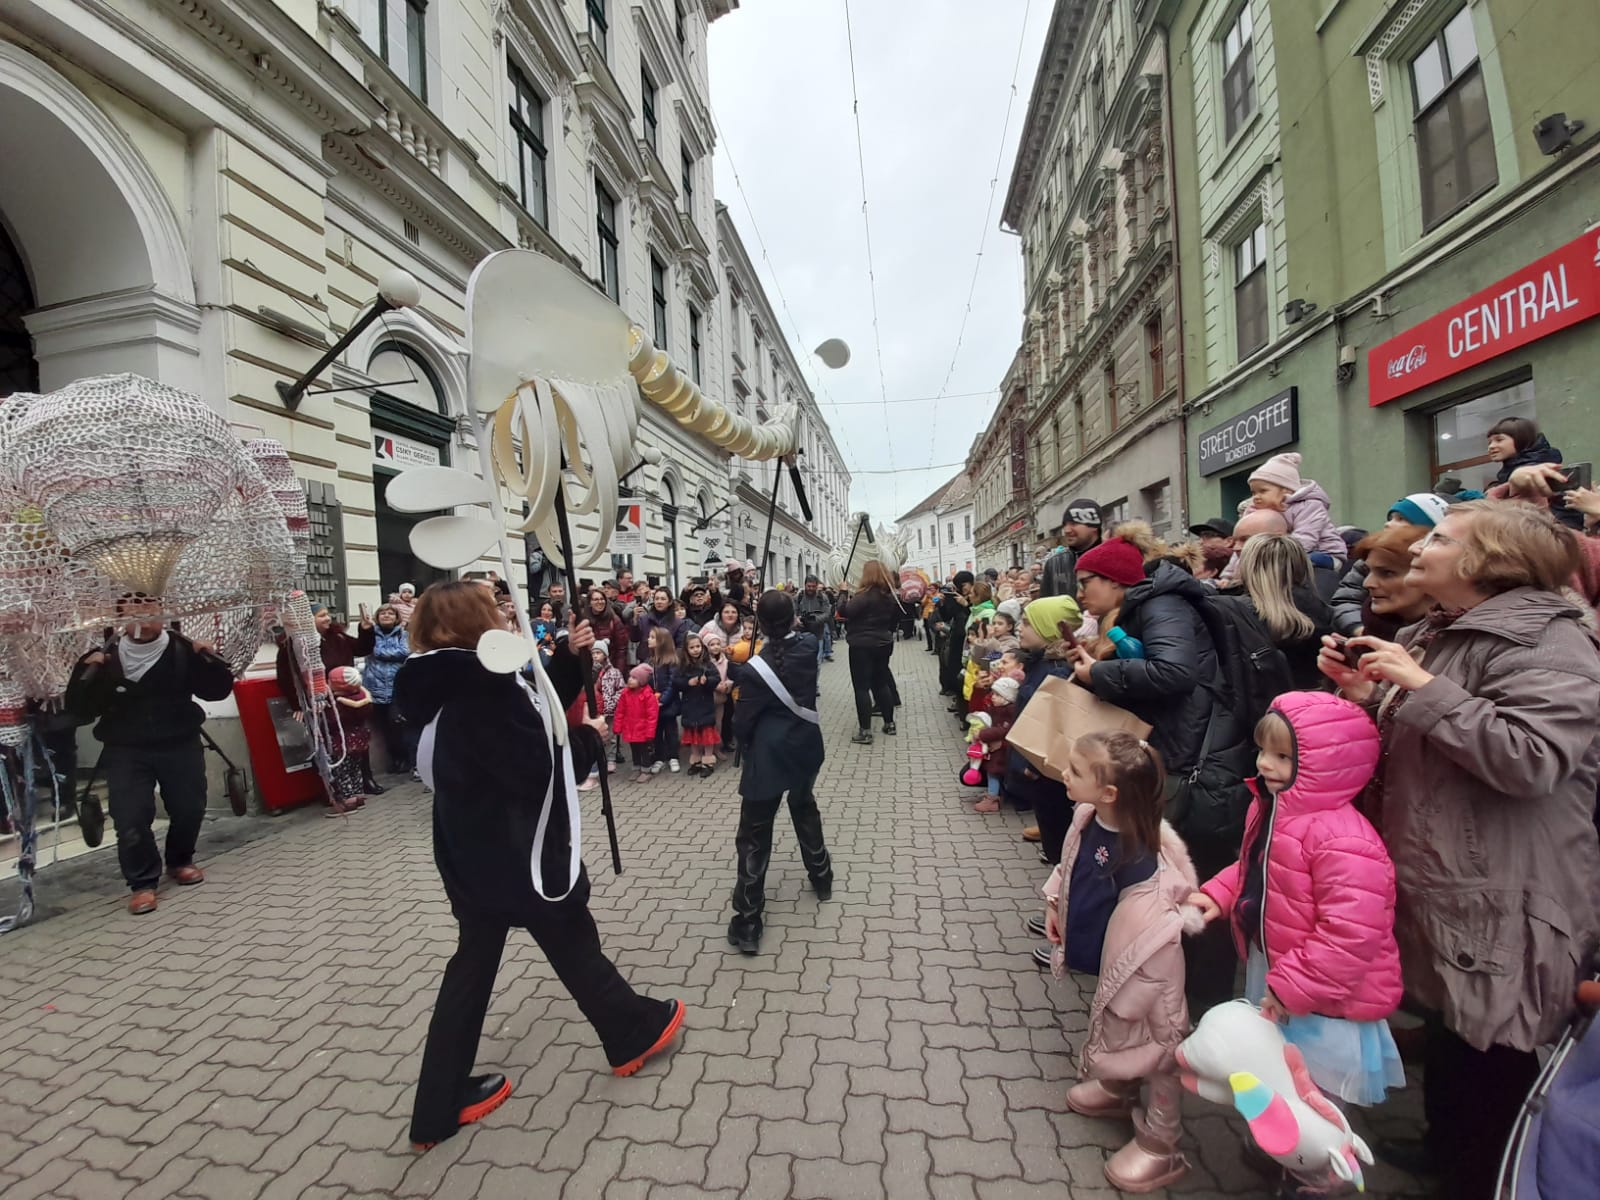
pixel 1118 560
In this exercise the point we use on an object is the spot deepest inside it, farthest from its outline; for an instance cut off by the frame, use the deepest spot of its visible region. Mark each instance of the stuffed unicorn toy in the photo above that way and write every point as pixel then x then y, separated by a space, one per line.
pixel 1238 1057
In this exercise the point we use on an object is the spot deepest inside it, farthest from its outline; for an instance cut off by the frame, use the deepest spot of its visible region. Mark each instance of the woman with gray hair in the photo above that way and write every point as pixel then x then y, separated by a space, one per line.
pixel 1275 573
pixel 1484 795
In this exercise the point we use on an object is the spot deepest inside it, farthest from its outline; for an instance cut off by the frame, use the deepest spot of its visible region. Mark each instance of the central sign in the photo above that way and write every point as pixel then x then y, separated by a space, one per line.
pixel 1270 425
pixel 1547 295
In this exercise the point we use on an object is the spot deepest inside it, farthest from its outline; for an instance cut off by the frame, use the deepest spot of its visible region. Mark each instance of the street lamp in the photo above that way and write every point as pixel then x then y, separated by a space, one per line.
pixel 396 289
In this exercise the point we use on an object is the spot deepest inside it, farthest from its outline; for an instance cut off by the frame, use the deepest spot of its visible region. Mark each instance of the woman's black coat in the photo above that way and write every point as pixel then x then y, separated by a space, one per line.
pixel 873 616
pixel 491 769
pixel 781 751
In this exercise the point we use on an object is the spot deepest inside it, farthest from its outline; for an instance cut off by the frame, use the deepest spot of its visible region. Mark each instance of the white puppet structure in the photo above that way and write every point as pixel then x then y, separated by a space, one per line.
pixel 555 372
pixel 116 487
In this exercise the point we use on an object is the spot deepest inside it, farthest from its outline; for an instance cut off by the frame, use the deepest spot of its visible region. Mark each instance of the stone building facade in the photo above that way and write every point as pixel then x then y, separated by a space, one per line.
pixel 1090 197
pixel 216 186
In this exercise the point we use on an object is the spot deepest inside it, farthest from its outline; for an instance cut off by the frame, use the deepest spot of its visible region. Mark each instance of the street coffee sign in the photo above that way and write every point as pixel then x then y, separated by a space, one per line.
pixel 1555 292
pixel 1270 425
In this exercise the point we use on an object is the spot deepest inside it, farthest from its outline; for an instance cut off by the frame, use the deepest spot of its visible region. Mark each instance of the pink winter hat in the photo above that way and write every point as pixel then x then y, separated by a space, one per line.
pixel 641 674
pixel 1283 470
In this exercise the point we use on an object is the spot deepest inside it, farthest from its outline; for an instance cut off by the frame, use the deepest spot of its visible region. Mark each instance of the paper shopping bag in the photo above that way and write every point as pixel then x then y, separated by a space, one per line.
pixel 1059 713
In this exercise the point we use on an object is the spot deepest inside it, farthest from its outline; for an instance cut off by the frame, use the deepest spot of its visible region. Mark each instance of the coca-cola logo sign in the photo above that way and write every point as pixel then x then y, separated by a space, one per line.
pixel 1412 360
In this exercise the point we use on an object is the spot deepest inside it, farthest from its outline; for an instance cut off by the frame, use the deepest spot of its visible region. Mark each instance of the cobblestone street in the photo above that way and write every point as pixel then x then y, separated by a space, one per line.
pixel 259 1036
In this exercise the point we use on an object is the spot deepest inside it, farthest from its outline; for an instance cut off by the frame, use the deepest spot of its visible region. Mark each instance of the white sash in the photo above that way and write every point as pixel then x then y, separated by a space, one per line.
pixel 770 678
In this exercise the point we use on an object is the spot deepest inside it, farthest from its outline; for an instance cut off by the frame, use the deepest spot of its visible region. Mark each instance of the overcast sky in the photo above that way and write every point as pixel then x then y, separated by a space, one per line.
pixel 934 78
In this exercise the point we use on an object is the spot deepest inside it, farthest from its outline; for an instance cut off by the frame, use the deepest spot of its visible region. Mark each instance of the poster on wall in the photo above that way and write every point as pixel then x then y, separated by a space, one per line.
pixel 628 536
pixel 712 545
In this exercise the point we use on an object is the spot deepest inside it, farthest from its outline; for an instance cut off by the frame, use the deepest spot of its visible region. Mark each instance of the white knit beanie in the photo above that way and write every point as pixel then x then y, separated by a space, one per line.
pixel 1283 470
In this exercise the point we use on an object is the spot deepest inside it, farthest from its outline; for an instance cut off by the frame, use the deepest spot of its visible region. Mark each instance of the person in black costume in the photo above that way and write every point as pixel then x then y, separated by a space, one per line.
pixel 142 687
pixel 505 843
pixel 874 614
pixel 780 737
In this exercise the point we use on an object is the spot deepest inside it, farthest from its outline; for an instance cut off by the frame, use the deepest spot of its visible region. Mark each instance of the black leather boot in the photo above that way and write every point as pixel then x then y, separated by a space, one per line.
pixel 813 851
pixel 753 848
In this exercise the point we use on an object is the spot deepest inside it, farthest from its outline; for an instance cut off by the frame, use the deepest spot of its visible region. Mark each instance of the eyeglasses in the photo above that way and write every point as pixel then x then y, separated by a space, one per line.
pixel 1434 538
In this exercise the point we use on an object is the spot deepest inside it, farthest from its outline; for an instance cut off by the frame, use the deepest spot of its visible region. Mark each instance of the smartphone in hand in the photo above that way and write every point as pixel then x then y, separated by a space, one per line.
pixel 1579 475
pixel 1352 654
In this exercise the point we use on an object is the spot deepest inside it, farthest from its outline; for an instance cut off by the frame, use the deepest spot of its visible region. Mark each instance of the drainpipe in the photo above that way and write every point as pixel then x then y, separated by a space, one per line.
pixel 1184 516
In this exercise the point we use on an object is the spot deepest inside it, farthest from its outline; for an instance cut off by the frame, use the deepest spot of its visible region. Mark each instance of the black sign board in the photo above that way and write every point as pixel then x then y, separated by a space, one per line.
pixel 1270 425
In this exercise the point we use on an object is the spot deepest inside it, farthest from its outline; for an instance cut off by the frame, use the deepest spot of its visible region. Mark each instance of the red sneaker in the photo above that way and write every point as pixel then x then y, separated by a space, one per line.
pixel 661 1043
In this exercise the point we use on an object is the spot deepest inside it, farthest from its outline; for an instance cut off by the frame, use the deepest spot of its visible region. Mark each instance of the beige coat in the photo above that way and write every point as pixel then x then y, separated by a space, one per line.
pixel 1488 812
pixel 1139 1015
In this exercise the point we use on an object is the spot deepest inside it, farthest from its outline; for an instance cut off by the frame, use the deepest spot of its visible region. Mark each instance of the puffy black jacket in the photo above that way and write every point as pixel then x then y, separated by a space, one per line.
pixel 1174 687
pixel 1348 598
pixel 873 616
pixel 1060 577
pixel 159 707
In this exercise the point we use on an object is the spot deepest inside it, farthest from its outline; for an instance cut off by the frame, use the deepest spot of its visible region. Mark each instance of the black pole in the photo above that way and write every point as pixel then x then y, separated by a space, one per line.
pixel 772 512
pixel 292 393
pixel 853 544
pixel 586 663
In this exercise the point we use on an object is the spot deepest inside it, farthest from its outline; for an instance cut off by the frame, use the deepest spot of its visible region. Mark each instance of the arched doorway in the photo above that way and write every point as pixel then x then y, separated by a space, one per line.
pixel 19 370
pixel 411 426
pixel 110 283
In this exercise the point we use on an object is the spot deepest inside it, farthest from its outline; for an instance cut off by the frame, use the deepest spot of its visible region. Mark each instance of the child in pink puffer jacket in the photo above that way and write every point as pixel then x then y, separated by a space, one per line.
pixel 1311 899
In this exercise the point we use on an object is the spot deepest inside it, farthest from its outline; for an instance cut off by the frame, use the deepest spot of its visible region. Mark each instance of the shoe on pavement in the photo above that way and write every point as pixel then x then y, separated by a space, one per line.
pixel 1041 955
pixel 1092 1098
pixel 655 768
pixel 672 764
pixel 1138 1170
pixel 1036 926
pixel 745 936
pixel 863 737
pixel 888 727
pixel 142 901
pixel 187 876
pixel 484 1094
pixel 589 784
pixel 823 888
pixel 674 1023
pixel 989 804
pixel 1031 834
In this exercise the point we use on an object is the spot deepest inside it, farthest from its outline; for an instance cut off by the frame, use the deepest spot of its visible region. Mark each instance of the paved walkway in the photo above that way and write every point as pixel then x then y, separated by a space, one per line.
pixel 259 1036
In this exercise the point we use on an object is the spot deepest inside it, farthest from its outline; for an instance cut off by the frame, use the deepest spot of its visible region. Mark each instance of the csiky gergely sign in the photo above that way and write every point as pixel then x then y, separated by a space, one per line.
pixel 1557 291
pixel 1270 425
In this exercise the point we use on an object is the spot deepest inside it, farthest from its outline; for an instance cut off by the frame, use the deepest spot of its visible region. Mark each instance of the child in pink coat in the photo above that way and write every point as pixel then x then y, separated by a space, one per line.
pixel 1276 484
pixel 1311 899
pixel 1116 908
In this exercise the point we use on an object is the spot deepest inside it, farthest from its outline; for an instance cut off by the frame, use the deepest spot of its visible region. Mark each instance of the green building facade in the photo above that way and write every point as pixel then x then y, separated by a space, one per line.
pixel 1389 237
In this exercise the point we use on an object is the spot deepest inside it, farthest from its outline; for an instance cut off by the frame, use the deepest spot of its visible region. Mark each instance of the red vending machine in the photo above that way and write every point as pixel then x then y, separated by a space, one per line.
pixel 280 747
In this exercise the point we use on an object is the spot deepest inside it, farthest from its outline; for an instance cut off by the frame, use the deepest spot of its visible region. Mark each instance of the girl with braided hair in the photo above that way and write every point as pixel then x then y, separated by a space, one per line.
pixel 778 729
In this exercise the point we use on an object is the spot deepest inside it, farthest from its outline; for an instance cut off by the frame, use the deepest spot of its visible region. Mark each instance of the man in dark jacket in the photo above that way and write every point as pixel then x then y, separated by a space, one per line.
pixel 815 612
pixel 141 688
pixel 952 614
pixel 1080 532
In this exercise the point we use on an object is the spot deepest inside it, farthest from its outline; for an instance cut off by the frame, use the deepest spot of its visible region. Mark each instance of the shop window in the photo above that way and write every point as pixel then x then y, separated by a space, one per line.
pixel 1250 292
pixel 1455 142
pixel 1238 73
pixel 1461 433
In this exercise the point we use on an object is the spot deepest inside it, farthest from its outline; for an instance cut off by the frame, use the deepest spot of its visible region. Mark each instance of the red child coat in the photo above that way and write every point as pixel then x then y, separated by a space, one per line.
pixel 638 709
